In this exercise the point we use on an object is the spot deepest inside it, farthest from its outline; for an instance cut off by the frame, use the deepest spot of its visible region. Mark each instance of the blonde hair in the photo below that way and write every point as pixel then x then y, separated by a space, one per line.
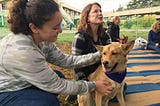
pixel 115 18
pixel 155 26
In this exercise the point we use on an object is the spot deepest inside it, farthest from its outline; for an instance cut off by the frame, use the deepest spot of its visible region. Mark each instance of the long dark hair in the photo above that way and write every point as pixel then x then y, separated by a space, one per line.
pixel 23 12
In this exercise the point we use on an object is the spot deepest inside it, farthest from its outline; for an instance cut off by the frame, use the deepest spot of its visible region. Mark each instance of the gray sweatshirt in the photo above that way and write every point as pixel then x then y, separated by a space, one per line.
pixel 23 64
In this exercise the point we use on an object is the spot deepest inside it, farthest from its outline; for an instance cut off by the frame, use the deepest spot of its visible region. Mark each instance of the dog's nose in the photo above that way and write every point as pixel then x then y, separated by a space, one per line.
pixel 105 63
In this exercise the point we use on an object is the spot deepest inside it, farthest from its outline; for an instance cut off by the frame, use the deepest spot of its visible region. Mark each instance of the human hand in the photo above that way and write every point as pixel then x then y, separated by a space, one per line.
pixel 104 87
pixel 157 44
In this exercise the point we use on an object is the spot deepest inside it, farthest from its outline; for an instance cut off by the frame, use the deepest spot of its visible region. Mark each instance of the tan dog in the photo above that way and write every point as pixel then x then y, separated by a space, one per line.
pixel 114 59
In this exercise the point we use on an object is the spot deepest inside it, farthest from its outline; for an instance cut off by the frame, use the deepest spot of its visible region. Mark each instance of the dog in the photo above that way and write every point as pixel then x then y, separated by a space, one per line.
pixel 113 60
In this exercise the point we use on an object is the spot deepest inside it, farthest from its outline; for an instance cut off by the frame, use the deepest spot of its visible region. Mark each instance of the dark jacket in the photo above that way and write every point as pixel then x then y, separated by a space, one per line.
pixel 153 38
pixel 84 44
pixel 113 31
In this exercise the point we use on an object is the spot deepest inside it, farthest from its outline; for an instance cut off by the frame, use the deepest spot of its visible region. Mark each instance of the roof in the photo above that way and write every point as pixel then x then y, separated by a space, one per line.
pixel 150 10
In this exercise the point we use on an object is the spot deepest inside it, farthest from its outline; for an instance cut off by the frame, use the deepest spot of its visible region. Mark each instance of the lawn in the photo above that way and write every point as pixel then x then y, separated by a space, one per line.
pixel 3 31
pixel 68 37
pixel 133 34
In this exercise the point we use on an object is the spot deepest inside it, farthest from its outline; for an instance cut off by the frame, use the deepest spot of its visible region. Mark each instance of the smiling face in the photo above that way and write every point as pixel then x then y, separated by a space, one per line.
pixel 95 15
pixel 49 31
pixel 113 59
pixel 114 56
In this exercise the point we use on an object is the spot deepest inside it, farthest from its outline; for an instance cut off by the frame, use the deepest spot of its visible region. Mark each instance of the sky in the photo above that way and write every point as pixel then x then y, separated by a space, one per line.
pixel 107 5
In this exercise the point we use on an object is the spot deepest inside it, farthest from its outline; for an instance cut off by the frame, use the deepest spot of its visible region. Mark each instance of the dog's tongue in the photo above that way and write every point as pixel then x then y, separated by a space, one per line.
pixel 107 69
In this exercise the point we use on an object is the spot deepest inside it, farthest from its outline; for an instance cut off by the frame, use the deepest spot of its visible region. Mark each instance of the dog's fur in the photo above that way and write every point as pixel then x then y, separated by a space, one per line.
pixel 114 59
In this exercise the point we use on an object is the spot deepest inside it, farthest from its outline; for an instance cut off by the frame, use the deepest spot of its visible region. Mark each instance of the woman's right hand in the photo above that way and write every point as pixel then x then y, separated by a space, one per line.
pixel 104 87
pixel 157 44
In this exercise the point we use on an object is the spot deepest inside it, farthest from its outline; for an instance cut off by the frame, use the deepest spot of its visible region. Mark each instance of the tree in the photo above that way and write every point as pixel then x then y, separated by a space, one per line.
pixel 136 4
pixel 146 21
pixel 120 8
pixel 155 3
pixel 128 24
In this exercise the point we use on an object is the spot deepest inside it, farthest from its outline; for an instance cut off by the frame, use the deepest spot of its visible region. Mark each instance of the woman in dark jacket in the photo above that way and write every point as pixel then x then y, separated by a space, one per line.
pixel 154 37
pixel 114 30
pixel 90 32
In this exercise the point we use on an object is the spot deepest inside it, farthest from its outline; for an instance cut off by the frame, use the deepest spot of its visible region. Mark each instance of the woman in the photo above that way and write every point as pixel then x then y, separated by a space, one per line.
pixel 25 77
pixel 114 30
pixel 154 37
pixel 90 32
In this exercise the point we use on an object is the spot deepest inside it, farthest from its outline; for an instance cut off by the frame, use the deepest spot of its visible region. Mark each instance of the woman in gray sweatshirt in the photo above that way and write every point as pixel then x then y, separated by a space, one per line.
pixel 25 77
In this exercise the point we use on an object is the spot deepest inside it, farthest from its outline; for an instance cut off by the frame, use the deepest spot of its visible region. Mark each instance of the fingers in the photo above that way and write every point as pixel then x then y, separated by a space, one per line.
pixel 107 93
pixel 109 88
pixel 104 87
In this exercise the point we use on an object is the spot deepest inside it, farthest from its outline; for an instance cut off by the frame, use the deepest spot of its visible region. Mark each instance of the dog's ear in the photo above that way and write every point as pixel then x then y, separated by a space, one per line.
pixel 98 47
pixel 127 47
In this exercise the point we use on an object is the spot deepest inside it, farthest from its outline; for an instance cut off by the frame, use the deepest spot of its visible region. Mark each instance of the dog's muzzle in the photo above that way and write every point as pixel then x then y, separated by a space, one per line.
pixel 105 63
pixel 109 69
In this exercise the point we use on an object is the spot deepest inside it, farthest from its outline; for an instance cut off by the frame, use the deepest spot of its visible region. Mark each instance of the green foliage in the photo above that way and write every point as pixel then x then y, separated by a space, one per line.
pixel 136 4
pixel 128 24
pixel 132 35
pixel 68 37
pixel 3 31
pixel 146 21
pixel 155 3
pixel 120 8
pixel 141 22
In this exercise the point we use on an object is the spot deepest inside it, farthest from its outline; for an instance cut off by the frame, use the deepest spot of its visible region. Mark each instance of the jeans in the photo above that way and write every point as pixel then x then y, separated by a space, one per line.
pixel 31 96
pixel 151 47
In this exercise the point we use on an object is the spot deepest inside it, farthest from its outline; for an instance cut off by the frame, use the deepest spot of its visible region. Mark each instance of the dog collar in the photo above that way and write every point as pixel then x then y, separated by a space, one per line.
pixel 118 76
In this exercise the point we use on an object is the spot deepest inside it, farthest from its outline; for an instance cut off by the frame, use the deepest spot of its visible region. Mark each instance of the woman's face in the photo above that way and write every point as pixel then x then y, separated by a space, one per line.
pixel 117 22
pixel 50 30
pixel 95 15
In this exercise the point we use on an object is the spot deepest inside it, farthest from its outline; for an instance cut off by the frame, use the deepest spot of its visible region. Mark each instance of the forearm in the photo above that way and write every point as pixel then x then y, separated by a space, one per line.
pixel 55 56
pixel 61 86
pixel 70 61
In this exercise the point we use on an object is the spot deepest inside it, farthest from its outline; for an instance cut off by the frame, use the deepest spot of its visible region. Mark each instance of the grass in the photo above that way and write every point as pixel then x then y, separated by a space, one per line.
pixel 3 32
pixel 132 35
pixel 65 37
pixel 68 37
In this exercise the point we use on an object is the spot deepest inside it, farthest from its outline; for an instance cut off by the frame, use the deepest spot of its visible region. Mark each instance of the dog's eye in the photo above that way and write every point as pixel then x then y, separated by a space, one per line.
pixel 114 53
pixel 104 53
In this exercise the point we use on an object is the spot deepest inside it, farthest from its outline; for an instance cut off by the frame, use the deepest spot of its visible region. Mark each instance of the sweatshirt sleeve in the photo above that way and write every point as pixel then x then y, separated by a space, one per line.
pixel 27 64
pixel 57 57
